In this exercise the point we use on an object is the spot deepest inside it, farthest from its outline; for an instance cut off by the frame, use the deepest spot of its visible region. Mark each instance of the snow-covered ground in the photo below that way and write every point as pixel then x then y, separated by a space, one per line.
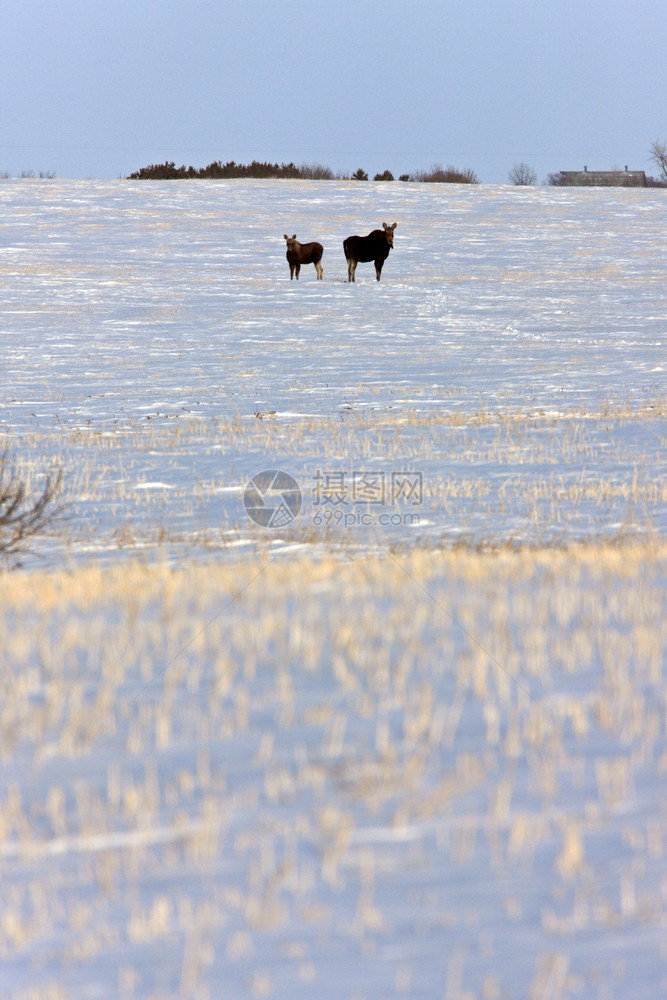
pixel 410 740
pixel 512 358
pixel 427 775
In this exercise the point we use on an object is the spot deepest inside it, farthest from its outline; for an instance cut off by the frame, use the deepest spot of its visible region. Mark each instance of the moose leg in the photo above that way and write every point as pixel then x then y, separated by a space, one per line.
pixel 351 268
pixel 319 269
pixel 378 268
pixel 297 268
pixel 291 271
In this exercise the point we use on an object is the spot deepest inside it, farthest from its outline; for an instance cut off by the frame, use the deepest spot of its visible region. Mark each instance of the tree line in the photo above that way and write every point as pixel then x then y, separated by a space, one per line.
pixel 521 174
pixel 290 171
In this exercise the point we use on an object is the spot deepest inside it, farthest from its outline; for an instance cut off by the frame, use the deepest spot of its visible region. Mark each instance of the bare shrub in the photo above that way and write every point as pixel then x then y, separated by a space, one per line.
pixel 43 174
pixel 315 172
pixel 446 175
pixel 658 154
pixel 23 513
pixel 522 175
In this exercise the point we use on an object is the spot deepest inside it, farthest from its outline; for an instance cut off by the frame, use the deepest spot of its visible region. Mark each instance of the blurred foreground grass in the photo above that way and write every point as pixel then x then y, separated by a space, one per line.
pixel 220 780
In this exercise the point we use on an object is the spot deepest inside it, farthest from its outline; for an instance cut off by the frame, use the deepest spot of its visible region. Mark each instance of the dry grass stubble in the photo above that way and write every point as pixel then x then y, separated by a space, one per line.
pixel 225 722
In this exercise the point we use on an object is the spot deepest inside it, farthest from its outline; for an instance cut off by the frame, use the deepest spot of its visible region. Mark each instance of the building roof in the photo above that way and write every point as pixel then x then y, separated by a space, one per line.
pixel 602 178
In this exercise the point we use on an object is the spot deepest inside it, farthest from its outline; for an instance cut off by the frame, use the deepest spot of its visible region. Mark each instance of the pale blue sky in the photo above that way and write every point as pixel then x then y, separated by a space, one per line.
pixel 92 88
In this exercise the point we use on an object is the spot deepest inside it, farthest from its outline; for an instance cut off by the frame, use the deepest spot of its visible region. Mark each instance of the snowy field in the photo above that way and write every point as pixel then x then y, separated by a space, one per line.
pixel 511 361
pixel 410 739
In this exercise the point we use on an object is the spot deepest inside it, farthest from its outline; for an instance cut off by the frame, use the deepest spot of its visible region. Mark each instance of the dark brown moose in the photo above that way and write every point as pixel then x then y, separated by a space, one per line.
pixel 303 253
pixel 375 247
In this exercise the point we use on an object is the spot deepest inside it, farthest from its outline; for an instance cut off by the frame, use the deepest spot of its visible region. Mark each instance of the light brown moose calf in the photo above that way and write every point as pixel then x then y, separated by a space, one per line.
pixel 303 253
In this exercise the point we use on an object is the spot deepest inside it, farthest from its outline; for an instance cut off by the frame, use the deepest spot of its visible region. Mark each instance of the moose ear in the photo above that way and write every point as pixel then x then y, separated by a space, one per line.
pixel 394 226
pixel 385 226
pixel 294 237
pixel 285 236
